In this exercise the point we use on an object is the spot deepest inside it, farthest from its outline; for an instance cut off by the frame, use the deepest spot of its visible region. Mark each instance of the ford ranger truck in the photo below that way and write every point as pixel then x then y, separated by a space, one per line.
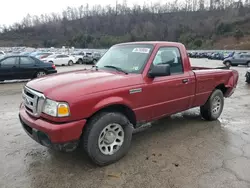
pixel 132 84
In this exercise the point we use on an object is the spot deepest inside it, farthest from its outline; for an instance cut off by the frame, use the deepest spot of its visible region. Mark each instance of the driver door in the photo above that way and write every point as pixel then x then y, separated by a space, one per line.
pixel 173 93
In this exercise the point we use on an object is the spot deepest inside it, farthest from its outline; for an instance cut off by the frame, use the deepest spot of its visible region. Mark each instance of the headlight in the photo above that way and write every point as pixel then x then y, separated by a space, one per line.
pixel 56 109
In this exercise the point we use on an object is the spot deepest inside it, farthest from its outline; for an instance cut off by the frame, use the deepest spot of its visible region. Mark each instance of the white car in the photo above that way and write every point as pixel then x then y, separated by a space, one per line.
pixel 2 53
pixel 60 59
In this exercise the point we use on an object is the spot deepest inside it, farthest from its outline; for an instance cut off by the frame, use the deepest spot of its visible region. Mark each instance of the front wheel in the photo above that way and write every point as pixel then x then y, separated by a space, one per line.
pixel 80 61
pixel 213 108
pixel 248 78
pixel 107 137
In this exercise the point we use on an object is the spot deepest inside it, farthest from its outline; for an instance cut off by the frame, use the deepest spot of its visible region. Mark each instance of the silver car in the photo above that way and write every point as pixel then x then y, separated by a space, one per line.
pixel 237 59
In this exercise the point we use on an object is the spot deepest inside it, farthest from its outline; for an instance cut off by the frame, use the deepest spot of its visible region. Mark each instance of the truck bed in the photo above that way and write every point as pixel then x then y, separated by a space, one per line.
pixel 207 68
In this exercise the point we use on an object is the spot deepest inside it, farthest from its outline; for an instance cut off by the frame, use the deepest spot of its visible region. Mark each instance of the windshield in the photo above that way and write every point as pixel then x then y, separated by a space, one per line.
pixel 129 58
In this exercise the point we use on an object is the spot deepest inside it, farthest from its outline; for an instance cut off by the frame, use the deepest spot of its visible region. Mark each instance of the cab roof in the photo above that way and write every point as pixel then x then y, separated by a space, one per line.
pixel 150 42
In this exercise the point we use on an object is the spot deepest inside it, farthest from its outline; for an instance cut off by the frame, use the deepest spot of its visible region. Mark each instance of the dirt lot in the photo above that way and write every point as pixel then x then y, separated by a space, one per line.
pixel 183 151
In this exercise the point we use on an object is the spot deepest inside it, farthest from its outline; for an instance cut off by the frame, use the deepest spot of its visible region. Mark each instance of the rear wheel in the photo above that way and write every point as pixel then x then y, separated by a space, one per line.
pixel 248 78
pixel 213 107
pixel 80 61
pixel 94 61
pixel 40 74
pixel 228 63
pixel 107 137
pixel 70 63
pixel 248 64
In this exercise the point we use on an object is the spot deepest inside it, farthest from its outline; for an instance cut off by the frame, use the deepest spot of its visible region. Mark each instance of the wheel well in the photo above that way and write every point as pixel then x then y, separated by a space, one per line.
pixel 128 112
pixel 222 88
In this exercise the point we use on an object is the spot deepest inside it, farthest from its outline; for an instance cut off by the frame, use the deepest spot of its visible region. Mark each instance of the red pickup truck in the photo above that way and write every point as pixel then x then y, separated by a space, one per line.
pixel 133 83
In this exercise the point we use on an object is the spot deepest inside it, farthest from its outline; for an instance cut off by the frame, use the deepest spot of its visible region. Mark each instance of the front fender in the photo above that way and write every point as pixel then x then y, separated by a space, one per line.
pixel 114 100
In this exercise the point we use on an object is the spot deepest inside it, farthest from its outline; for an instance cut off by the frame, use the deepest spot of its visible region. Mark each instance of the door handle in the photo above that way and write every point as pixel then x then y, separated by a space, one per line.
pixel 184 81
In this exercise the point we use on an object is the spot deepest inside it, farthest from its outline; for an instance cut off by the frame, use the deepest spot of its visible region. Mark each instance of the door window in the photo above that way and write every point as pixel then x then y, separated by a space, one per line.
pixel 9 61
pixel 26 61
pixel 61 56
pixel 170 56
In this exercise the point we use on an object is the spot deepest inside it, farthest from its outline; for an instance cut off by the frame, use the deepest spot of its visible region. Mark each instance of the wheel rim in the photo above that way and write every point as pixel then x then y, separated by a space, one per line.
pixel 111 139
pixel 70 63
pixel 216 105
pixel 228 64
pixel 40 74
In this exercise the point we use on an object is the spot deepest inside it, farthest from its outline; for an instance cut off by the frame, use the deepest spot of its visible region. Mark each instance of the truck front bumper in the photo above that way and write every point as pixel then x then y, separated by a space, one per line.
pixel 63 137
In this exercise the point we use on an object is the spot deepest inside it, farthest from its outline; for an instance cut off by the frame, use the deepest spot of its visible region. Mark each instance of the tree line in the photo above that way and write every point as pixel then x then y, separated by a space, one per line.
pixel 196 23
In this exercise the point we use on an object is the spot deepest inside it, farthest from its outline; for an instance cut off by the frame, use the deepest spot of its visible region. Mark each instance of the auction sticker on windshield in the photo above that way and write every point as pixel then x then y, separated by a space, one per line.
pixel 141 50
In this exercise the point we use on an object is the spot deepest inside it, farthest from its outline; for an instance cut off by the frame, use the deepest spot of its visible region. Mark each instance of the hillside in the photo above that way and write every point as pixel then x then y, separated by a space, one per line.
pixel 221 27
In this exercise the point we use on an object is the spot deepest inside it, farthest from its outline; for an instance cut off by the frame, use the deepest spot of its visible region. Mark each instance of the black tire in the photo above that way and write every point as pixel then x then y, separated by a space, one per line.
pixel 93 131
pixel 248 64
pixel 208 111
pixel 228 63
pixel 80 61
pixel 248 78
pixel 51 62
pixel 70 63
pixel 94 61
pixel 40 73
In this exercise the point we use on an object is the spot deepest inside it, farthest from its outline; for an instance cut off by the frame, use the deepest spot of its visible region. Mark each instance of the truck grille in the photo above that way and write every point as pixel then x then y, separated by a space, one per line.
pixel 33 101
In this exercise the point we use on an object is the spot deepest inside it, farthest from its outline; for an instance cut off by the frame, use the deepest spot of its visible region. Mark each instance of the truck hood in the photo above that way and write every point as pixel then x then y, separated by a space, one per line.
pixel 83 82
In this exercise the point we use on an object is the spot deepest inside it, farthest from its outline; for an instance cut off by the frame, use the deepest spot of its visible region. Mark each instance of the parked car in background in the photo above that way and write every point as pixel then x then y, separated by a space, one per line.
pixel 60 59
pixel 25 53
pixel 87 57
pixel 24 67
pixel 248 76
pixel 238 59
pixel 79 56
pixel 43 55
pixel 91 57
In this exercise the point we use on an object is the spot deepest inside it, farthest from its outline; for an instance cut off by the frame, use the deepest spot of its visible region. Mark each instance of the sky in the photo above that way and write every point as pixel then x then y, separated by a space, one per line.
pixel 14 10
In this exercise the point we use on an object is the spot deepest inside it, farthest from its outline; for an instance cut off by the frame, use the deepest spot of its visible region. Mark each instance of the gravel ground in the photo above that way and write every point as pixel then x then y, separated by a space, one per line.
pixel 182 151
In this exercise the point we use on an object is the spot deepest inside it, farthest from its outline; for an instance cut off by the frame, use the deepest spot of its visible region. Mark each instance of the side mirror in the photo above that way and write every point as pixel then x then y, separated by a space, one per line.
pixel 159 70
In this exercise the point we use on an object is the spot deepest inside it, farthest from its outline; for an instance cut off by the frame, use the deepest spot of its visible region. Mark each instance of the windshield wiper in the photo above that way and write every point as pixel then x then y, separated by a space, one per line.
pixel 116 68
